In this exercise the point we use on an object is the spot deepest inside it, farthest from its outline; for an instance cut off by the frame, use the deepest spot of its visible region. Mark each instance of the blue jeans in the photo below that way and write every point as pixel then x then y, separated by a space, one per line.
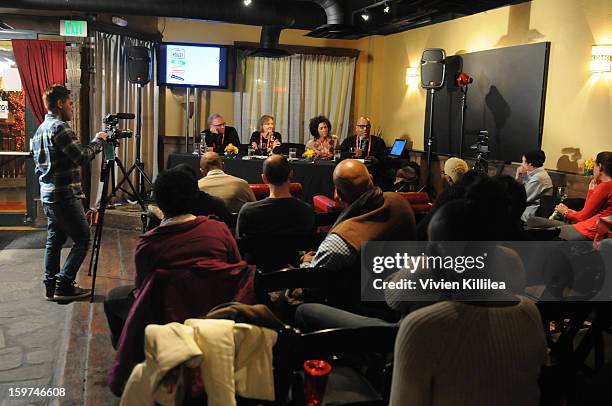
pixel 315 316
pixel 65 218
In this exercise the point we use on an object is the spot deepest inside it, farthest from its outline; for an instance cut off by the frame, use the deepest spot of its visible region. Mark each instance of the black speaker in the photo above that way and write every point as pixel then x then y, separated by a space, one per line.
pixel 139 65
pixel 433 68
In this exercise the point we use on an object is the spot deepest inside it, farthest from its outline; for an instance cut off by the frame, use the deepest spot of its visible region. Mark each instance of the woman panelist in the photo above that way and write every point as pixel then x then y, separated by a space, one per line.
pixel 322 141
pixel 266 139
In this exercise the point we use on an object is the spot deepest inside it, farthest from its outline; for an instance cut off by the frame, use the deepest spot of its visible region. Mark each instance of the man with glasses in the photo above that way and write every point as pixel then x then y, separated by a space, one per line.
pixel 363 145
pixel 218 135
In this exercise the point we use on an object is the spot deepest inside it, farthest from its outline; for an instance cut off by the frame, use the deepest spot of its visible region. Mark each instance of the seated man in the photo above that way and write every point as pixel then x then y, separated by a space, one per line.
pixel 363 144
pixel 234 191
pixel 181 241
pixel 280 214
pixel 370 215
pixel 536 180
pixel 454 169
pixel 218 135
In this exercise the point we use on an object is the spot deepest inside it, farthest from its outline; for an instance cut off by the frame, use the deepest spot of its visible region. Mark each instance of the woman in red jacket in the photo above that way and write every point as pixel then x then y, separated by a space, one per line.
pixel 598 202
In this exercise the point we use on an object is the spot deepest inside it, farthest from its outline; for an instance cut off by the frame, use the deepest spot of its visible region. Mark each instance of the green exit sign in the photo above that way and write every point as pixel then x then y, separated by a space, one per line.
pixel 73 28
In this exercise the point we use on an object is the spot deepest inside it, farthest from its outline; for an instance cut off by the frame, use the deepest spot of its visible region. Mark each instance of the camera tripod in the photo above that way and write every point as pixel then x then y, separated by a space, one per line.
pixel 107 174
pixel 139 192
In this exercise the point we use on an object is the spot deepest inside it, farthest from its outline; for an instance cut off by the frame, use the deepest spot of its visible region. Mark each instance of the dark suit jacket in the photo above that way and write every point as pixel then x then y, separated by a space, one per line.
pixel 219 143
pixel 378 150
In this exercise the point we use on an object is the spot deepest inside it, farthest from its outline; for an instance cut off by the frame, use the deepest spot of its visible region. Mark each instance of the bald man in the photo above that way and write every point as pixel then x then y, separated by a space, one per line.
pixel 364 144
pixel 369 215
pixel 235 192
pixel 218 135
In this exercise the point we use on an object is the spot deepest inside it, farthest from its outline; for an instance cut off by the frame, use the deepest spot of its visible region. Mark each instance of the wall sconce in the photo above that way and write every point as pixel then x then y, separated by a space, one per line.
pixel 601 58
pixel 412 76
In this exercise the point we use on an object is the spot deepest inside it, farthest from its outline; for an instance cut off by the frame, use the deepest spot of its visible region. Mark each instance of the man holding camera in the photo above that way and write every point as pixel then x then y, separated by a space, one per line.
pixel 58 155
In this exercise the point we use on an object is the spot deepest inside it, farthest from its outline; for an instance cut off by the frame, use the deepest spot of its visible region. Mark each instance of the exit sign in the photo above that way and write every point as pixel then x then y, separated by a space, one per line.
pixel 73 28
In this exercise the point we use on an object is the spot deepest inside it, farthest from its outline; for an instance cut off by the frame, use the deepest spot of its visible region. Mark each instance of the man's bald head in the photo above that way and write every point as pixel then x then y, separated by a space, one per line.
pixel 352 179
pixel 209 161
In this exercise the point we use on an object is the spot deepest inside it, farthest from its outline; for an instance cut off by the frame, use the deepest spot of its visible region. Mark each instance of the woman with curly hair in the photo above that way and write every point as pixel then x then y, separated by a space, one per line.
pixel 322 141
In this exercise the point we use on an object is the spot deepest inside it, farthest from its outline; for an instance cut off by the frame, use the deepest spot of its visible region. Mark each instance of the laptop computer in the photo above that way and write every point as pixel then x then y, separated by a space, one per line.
pixel 398 148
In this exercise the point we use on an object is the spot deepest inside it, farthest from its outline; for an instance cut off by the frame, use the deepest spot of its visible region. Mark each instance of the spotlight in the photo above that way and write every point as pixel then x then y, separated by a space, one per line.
pixel 247 2
pixel 387 8
pixel 365 16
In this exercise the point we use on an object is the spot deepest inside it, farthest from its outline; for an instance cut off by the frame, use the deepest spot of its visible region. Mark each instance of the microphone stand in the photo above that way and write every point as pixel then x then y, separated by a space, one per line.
pixel 428 187
pixel 464 90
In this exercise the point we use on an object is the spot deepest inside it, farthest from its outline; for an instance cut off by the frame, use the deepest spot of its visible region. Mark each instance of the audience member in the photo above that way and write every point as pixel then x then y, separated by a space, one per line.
pixel 369 215
pixel 218 135
pixel 205 204
pixel 234 191
pixel 280 214
pixel 598 204
pixel 536 180
pixel 265 139
pixel 364 145
pixel 323 142
pixel 454 169
pixel 182 241
pixel 518 203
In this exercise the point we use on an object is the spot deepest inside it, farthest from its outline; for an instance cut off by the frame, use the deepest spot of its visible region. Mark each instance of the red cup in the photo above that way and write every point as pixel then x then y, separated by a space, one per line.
pixel 315 381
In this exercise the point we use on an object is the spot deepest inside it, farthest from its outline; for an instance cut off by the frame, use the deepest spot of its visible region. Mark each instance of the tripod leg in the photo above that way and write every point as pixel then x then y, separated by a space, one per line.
pixel 129 182
pixel 97 242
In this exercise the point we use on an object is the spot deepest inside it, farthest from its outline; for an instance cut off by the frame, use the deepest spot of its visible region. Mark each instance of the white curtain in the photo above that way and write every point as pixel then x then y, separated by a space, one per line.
pixel 293 90
pixel 111 93
pixel 265 90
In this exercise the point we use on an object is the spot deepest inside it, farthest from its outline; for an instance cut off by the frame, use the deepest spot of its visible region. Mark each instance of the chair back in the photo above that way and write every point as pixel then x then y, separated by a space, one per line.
pixel 262 190
pixel 419 201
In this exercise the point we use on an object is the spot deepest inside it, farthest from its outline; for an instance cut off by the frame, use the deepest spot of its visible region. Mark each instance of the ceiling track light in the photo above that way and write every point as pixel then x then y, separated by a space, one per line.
pixel 365 16
pixel 247 2
pixel 387 8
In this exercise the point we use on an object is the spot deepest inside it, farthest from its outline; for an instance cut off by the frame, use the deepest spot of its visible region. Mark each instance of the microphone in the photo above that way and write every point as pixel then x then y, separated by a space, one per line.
pixel 125 116
pixel 463 79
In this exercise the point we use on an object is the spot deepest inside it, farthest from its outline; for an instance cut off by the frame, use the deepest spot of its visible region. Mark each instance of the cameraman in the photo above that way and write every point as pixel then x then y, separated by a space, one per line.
pixel 58 155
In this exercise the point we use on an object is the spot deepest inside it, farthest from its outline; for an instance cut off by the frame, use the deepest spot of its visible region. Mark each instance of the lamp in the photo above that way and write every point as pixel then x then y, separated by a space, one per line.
pixel 412 76
pixel 601 58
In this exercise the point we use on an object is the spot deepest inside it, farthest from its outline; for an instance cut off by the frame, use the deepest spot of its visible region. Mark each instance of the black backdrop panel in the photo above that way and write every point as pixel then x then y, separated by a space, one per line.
pixel 506 98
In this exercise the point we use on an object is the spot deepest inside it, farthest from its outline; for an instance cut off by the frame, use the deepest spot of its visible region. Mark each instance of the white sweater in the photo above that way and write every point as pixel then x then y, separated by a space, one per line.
pixel 457 354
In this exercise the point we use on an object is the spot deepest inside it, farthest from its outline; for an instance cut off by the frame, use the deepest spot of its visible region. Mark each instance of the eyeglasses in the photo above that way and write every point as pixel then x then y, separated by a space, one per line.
pixel 363 125
pixel 218 125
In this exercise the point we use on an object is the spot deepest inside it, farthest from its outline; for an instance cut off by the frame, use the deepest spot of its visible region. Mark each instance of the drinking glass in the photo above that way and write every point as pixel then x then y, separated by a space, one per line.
pixel 337 154
pixel 196 149
pixel 316 373
pixel 251 151
pixel 352 151
pixel 292 153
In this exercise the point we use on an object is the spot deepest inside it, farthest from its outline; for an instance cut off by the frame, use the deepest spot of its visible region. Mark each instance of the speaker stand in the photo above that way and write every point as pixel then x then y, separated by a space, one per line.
pixel 428 186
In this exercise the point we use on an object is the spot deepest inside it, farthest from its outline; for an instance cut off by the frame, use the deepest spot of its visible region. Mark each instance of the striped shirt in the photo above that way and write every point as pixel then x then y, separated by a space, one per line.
pixel 58 155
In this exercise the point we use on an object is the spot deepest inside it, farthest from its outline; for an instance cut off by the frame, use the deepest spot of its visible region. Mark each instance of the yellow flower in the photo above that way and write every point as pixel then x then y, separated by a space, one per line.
pixel 231 148
pixel 309 153
pixel 589 164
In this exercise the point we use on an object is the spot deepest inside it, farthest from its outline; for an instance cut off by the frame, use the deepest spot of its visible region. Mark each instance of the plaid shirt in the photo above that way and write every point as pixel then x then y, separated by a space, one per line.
pixel 58 155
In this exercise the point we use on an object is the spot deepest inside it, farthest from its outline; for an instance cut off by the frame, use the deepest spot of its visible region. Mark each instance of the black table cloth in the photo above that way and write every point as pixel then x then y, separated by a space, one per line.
pixel 316 178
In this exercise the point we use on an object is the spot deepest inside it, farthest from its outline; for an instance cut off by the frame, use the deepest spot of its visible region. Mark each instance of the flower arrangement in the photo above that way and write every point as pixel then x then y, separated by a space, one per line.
pixel 309 154
pixel 588 166
pixel 231 149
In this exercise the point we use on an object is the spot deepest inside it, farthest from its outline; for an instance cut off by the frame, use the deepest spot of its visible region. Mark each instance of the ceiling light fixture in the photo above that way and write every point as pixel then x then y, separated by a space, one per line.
pixel 247 2
pixel 120 21
pixel 387 8
pixel 365 16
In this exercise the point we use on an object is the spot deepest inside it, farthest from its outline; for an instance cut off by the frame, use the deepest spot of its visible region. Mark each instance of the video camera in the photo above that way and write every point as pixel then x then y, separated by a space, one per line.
pixel 111 121
pixel 482 142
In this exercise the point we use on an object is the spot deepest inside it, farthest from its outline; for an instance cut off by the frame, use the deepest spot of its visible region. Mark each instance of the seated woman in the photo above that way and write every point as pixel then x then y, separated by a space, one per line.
pixel 598 204
pixel 536 180
pixel 182 241
pixel 266 139
pixel 322 141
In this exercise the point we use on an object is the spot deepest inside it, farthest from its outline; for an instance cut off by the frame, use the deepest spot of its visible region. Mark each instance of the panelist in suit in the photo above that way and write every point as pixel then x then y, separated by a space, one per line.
pixel 363 144
pixel 218 135
pixel 266 139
